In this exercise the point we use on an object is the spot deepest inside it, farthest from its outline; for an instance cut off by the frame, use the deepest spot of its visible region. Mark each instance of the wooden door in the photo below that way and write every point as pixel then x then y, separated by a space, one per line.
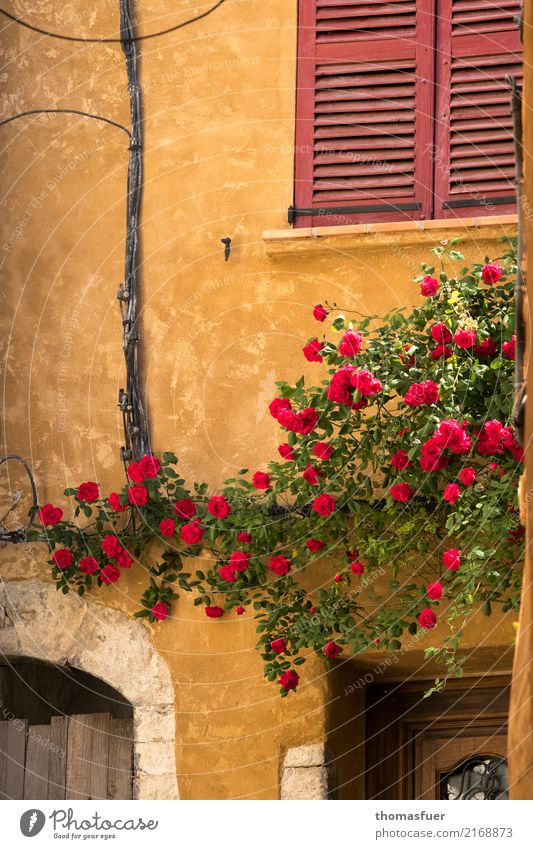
pixel 414 744
pixel 85 756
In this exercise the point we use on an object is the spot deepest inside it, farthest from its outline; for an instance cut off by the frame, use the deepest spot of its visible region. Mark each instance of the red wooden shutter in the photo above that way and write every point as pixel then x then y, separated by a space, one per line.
pixel 478 45
pixel 364 111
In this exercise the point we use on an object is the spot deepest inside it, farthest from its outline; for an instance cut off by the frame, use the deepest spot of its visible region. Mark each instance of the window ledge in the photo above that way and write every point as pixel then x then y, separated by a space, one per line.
pixel 281 243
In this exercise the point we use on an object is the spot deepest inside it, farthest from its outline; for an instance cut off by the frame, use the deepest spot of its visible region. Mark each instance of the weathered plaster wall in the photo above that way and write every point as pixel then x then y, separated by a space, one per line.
pixel 219 123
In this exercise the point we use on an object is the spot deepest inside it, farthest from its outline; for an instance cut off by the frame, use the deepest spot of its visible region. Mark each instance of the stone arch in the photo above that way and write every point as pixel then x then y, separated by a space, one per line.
pixel 38 622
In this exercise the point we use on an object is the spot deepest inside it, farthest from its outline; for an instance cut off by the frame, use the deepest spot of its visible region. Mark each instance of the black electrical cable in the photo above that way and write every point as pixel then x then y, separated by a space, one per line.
pixel 67 112
pixel 132 38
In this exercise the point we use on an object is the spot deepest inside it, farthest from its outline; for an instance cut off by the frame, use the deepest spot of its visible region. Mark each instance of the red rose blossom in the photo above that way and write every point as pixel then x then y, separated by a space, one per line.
pixel 111 546
pixel 465 338
pixel 124 559
pixel 441 351
pixel 319 313
pixel 324 504
pixel 286 451
pixel 109 574
pixel 351 343
pixel 138 495
pixel 240 610
pixel 429 286
pixel 88 491
pixel 185 508
pixel 312 351
pixel 332 649
pixel 218 506
pixel 150 466
pixel 315 545
pixel 486 348
pixel 322 450
pixel 451 493
pixel 357 568
pixel 279 565
pixel 440 333
pixel 434 591
pixel 467 476
pixel 135 473
pixel 508 348
pixel 338 579
pixel 289 680
pixel 227 573
pixel 277 405
pixel 244 537
pixel 63 558
pixel 401 492
pixel 50 515
pixel 192 533
pixel 239 560
pixel 491 273
pixel 167 528
pixel 365 382
pixel 114 503
pixel 422 393
pixel 278 645
pixel 452 559
pixel 261 480
pixel 400 460
pixel 160 610
pixel 427 619
pixel 311 475
pixel 88 565
pixel 214 611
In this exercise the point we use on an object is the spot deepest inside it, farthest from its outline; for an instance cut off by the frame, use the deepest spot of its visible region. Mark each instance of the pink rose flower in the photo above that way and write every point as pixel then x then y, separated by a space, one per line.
pixel 109 574
pixel 465 338
pixel 63 558
pixel 89 565
pixel 357 568
pixel 315 544
pixel 278 645
pixel 185 508
pixel 491 273
pixel 311 475
pixel 312 351
pixel 319 313
pixel 440 333
pixel 351 343
pixel 400 460
pixel 429 286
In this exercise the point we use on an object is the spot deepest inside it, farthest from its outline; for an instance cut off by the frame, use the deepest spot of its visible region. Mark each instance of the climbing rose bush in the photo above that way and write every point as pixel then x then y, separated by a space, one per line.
pixel 390 512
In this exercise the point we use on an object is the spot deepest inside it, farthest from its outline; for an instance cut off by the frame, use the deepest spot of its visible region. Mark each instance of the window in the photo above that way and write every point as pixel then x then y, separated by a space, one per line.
pixel 403 110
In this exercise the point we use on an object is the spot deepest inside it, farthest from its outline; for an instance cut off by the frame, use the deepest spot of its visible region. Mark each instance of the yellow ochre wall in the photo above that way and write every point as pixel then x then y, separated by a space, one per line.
pixel 219 99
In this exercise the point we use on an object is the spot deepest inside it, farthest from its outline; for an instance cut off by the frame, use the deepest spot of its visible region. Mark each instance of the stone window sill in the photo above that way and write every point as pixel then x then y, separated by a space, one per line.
pixel 281 243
